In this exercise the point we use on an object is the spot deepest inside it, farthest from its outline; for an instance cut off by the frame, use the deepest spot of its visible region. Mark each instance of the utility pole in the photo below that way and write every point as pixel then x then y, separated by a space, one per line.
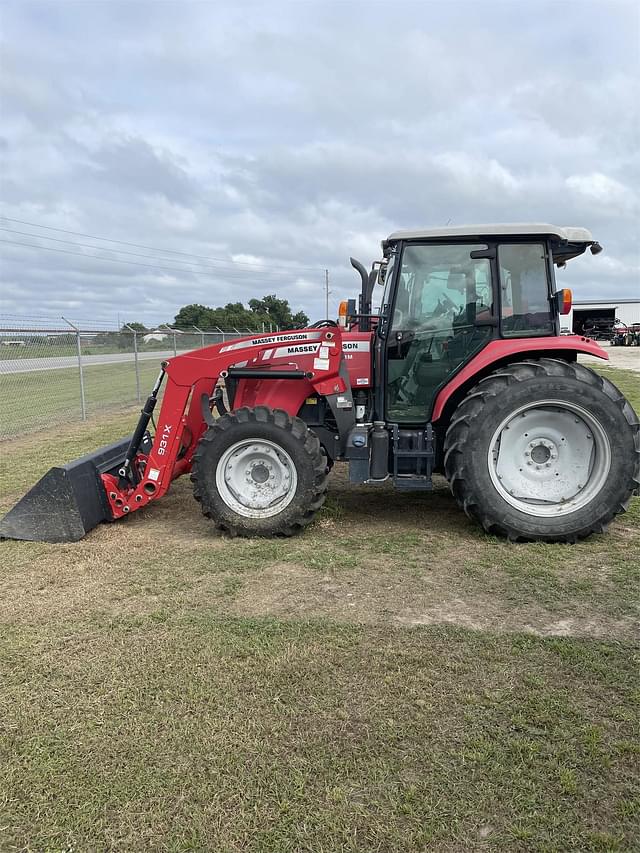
pixel 326 294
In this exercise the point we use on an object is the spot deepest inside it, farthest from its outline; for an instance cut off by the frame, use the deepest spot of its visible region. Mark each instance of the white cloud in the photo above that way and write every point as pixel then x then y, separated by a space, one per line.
pixel 301 134
pixel 475 174
pixel 605 191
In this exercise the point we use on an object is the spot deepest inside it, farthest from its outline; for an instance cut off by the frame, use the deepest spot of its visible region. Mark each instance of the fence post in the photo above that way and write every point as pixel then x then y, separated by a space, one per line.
pixel 173 332
pixel 83 407
pixel 201 335
pixel 135 360
pixel 222 333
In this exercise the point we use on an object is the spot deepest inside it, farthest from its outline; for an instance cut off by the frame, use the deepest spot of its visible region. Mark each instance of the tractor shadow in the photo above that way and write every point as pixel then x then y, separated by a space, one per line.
pixel 385 506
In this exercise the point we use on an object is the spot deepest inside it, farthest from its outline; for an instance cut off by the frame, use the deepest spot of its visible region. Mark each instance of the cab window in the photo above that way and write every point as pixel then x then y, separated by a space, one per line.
pixel 524 290
pixel 442 304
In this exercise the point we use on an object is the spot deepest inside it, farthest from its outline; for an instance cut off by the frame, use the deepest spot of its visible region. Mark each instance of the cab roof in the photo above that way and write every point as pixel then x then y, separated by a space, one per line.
pixel 511 229
pixel 568 241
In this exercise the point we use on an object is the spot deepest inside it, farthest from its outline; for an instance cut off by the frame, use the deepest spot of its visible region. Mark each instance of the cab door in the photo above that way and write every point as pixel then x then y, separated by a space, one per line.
pixel 442 315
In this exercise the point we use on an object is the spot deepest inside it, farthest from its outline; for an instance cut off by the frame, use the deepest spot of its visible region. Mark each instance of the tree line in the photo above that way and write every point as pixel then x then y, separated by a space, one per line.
pixel 269 312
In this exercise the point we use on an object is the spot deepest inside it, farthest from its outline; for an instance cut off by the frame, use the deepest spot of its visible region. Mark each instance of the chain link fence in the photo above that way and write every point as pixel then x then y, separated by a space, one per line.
pixel 53 373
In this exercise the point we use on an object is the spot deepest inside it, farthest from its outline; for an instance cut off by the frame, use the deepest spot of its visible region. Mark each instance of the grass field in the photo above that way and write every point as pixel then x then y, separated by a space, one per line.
pixel 34 400
pixel 393 680
pixel 46 348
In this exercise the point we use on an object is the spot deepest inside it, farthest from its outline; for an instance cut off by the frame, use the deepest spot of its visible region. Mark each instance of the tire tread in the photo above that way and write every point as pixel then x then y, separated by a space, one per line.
pixel 464 421
pixel 308 442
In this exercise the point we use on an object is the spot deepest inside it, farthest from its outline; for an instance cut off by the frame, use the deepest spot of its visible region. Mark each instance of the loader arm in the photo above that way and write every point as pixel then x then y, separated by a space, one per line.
pixel 280 371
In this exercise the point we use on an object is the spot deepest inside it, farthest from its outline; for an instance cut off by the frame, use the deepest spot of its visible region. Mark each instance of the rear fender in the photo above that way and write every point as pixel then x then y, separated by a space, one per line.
pixel 502 351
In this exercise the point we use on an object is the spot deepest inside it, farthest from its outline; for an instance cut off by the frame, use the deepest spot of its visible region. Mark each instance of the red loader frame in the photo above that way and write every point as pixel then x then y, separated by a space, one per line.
pixel 191 380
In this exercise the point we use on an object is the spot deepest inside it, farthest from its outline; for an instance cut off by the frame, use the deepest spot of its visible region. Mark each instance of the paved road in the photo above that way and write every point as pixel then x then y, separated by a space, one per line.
pixel 29 365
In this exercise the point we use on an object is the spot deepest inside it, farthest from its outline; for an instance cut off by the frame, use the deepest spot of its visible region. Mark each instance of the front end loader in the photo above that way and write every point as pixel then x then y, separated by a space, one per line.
pixel 461 372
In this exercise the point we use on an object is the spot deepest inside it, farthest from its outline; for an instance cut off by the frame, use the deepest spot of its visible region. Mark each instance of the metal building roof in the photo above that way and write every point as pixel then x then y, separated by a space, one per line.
pixel 606 302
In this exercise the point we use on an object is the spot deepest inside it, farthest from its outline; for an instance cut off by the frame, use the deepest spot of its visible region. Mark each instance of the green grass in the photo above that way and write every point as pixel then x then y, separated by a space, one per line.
pixel 31 401
pixel 627 380
pixel 49 349
pixel 201 733
pixel 393 680
pixel 67 347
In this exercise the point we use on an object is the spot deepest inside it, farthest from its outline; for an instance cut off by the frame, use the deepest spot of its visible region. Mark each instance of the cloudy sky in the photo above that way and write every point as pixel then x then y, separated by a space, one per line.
pixel 273 140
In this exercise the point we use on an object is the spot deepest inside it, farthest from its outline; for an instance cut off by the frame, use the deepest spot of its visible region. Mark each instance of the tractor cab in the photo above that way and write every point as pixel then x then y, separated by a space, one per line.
pixel 448 292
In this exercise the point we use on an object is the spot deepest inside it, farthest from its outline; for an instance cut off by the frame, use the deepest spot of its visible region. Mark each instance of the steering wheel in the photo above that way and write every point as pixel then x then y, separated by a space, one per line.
pixel 321 324
pixel 444 304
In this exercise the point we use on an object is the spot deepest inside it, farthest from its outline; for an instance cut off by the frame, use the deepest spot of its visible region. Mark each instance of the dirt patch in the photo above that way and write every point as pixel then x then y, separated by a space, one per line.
pixel 287 591
pixel 374 556
pixel 369 559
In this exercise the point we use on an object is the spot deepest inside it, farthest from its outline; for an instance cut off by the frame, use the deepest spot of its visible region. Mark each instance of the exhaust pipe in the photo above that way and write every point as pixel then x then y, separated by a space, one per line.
pixel 68 501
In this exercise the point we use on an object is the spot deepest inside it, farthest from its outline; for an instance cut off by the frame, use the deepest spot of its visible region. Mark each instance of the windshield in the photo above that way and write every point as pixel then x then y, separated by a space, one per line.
pixel 443 301
pixel 439 285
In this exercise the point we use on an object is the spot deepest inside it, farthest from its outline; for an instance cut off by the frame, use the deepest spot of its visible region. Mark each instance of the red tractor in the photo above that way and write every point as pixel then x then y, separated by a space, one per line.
pixel 461 372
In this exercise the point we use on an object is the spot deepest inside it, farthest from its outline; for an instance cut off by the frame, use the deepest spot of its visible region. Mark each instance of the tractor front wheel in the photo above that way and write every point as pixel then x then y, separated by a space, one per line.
pixel 259 472
pixel 543 451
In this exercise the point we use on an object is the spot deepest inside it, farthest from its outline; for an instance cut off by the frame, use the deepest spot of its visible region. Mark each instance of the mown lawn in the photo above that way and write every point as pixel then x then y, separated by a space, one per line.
pixel 394 680
pixel 31 401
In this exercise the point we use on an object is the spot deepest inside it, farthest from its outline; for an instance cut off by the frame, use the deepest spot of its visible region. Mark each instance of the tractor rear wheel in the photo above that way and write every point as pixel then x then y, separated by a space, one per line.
pixel 544 451
pixel 259 472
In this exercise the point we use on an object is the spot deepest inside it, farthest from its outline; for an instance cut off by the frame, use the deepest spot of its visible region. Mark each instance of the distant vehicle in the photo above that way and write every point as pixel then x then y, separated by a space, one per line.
pixel 625 335
pixel 13 343
pixel 598 329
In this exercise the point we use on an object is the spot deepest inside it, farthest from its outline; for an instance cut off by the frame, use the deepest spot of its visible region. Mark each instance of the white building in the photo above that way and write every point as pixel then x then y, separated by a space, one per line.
pixel 625 310
pixel 160 335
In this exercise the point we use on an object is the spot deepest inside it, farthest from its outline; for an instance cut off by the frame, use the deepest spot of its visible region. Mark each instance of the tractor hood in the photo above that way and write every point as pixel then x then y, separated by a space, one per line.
pixel 303 349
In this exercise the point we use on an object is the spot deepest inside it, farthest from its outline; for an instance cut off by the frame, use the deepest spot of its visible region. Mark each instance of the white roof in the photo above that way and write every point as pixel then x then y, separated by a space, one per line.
pixel 611 302
pixel 517 229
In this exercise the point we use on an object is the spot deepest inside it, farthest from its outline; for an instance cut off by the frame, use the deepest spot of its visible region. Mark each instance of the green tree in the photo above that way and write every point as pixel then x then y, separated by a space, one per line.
pixel 137 327
pixel 195 315
pixel 278 311
pixel 269 311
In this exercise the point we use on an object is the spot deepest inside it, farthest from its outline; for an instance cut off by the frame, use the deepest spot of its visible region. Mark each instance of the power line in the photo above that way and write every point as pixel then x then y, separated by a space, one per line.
pixel 153 248
pixel 224 273
pixel 233 271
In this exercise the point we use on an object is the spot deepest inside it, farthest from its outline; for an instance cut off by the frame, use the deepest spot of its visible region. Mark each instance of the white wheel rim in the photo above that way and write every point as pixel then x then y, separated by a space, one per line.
pixel 256 479
pixel 549 459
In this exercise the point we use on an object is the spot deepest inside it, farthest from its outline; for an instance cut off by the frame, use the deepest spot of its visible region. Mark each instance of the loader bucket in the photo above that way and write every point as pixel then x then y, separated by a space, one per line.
pixel 68 501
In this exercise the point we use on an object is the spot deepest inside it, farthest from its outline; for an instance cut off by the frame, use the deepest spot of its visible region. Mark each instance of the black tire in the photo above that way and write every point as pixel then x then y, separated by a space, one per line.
pixel 289 433
pixel 479 415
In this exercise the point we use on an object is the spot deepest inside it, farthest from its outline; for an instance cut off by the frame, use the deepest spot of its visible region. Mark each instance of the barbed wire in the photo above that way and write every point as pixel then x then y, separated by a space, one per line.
pixel 10 322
